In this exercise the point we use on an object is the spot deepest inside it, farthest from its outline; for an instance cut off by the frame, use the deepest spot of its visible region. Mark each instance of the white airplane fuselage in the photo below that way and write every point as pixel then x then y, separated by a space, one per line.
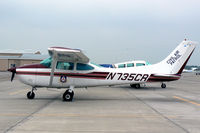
pixel 40 77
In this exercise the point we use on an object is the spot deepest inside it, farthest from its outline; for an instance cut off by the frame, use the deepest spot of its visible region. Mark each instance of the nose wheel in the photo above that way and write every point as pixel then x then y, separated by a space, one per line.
pixel 163 85
pixel 31 94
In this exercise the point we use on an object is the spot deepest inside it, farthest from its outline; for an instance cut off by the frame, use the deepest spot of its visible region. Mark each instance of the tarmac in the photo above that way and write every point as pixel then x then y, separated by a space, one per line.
pixel 115 109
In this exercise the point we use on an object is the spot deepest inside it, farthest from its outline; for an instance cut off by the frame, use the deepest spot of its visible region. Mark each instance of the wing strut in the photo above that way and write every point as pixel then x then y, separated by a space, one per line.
pixel 53 66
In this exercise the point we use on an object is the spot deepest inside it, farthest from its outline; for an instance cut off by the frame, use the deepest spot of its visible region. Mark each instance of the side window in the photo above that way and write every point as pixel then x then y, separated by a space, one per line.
pixel 130 65
pixel 81 66
pixel 64 65
pixel 121 66
pixel 140 64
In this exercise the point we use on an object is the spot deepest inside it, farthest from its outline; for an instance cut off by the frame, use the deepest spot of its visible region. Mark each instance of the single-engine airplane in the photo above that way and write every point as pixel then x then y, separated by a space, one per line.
pixel 70 68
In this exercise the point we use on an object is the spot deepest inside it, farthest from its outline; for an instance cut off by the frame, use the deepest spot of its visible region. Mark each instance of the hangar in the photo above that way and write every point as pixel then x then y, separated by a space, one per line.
pixel 8 60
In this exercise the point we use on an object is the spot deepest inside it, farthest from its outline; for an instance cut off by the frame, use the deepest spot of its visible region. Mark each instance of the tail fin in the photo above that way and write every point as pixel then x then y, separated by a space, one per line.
pixel 176 61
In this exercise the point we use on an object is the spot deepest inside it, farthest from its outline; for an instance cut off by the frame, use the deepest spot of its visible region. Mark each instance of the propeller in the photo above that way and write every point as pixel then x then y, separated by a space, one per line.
pixel 13 70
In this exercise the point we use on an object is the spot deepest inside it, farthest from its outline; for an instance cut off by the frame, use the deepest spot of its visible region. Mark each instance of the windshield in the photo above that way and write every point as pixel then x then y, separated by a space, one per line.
pixel 46 62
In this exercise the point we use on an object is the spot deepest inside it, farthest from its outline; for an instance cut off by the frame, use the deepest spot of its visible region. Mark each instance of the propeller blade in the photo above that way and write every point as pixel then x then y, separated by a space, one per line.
pixel 13 70
pixel 13 75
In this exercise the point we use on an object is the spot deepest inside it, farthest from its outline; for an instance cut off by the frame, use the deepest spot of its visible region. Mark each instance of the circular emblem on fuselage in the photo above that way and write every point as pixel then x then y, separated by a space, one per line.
pixel 63 79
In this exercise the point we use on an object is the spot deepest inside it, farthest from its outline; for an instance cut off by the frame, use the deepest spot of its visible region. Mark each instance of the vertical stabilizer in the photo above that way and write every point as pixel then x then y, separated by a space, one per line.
pixel 176 61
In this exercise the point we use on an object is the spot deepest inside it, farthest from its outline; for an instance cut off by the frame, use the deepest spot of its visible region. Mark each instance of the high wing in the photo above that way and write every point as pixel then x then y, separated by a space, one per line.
pixel 65 54
pixel 68 55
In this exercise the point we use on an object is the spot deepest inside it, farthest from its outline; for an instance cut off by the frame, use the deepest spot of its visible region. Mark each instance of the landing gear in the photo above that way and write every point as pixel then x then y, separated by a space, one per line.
pixel 31 94
pixel 137 86
pixel 163 85
pixel 69 94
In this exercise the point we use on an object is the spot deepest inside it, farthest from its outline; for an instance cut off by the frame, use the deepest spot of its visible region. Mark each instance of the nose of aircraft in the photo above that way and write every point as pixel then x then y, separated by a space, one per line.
pixel 13 70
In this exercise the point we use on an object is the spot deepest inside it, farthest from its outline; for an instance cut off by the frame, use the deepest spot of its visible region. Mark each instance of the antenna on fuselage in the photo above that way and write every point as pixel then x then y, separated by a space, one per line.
pixel 185 39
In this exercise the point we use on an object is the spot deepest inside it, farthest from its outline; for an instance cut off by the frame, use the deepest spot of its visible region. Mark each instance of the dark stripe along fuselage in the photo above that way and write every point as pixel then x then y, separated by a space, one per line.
pixel 106 75
pixel 93 75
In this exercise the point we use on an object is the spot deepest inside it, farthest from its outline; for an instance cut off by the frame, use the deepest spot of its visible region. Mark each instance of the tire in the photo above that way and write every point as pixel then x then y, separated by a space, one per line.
pixel 30 95
pixel 132 85
pixel 137 86
pixel 68 96
pixel 163 85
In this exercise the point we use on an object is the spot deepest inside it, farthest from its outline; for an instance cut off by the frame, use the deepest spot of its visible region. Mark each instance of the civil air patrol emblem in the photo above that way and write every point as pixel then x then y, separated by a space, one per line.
pixel 63 79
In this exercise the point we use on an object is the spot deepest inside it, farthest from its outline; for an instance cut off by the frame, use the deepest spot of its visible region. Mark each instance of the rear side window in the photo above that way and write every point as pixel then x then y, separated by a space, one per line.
pixel 130 65
pixel 81 67
pixel 140 64
pixel 121 66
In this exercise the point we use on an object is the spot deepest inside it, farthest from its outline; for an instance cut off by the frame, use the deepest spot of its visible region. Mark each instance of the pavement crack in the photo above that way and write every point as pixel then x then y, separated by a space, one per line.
pixel 162 115
pixel 31 114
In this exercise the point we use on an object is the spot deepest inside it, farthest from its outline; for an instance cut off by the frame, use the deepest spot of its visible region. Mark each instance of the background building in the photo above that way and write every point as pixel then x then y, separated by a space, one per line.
pixel 8 60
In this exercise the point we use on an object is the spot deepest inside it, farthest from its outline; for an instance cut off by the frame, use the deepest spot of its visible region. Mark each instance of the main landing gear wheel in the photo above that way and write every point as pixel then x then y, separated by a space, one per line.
pixel 137 86
pixel 68 95
pixel 30 95
pixel 163 85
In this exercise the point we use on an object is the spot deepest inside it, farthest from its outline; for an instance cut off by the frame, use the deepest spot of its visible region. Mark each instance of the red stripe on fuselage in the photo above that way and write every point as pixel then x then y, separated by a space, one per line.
pixel 153 78
pixel 93 75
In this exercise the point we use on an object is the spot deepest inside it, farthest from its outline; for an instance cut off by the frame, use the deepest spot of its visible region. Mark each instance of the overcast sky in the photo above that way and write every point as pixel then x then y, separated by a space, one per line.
pixel 108 31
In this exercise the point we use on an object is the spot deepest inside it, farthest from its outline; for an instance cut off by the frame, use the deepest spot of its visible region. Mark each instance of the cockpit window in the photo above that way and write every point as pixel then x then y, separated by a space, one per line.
pixel 46 62
pixel 65 65
pixel 81 66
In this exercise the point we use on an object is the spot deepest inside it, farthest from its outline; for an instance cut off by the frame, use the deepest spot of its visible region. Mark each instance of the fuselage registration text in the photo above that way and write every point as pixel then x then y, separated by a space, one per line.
pixel 128 76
